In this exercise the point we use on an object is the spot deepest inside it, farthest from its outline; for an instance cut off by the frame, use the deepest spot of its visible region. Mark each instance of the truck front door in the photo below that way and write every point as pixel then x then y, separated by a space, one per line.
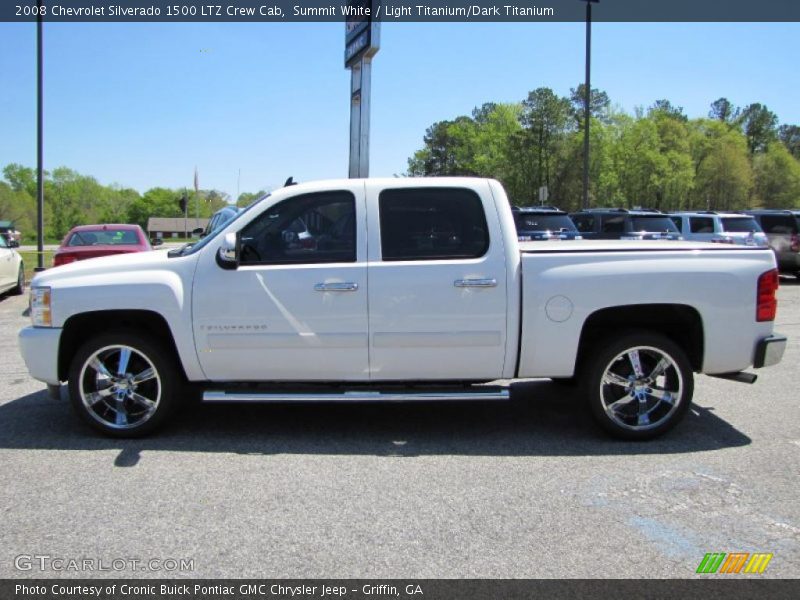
pixel 295 308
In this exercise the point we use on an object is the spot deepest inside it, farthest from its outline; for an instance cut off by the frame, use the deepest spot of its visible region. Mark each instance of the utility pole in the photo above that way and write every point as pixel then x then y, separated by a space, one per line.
pixel 587 98
pixel 196 200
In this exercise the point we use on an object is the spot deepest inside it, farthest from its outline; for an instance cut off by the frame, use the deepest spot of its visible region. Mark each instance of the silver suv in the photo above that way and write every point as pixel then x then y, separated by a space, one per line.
pixel 720 228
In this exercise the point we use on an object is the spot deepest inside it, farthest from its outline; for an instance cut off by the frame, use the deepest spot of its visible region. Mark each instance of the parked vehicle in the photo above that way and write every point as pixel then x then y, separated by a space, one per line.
pixel 720 228
pixel 623 224
pixel 12 269
pixel 92 241
pixel 421 291
pixel 781 227
pixel 544 223
pixel 218 219
pixel 10 234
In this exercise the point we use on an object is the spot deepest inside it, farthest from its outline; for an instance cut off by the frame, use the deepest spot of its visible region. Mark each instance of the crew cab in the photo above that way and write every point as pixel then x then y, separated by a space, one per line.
pixel 415 289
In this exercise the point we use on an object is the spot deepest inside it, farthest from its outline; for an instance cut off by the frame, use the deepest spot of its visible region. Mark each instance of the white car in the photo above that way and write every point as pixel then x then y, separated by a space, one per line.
pixel 12 271
pixel 720 228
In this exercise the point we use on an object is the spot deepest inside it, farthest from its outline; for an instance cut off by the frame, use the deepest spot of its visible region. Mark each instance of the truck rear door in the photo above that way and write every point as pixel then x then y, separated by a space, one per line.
pixel 437 282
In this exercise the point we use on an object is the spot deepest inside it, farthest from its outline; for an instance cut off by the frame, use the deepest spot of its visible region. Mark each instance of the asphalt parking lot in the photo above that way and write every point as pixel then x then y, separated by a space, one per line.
pixel 528 488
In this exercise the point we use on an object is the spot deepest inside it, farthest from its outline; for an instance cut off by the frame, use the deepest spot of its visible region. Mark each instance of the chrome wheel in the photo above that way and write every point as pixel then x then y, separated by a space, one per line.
pixel 119 387
pixel 642 388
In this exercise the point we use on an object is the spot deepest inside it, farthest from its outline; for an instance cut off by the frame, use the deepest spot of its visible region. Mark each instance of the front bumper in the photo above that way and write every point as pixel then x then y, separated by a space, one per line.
pixel 39 347
pixel 769 351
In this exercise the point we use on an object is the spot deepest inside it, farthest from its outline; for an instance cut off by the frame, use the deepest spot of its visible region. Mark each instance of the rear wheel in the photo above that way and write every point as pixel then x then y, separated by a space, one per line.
pixel 123 384
pixel 639 386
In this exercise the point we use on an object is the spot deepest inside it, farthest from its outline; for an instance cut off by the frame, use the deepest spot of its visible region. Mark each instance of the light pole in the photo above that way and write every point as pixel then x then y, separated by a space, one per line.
pixel 39 141
pixel 587 97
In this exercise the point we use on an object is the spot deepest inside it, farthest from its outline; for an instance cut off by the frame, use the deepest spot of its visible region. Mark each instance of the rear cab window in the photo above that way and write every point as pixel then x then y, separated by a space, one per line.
pixel 739 224
pixel 542 222
pixel 659 223
pixel 779 224
pixel 432 224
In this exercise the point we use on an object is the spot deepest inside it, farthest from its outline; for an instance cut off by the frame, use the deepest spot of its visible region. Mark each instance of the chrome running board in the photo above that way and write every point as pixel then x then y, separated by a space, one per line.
pixel 490 394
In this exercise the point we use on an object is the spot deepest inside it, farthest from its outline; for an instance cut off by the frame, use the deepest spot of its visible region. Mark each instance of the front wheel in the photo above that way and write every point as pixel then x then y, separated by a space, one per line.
pixel 123 384
pixel 639 386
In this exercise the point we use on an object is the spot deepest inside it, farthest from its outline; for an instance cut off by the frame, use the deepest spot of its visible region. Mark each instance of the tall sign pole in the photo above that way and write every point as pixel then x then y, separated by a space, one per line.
pixel 362 41
pixel 587 113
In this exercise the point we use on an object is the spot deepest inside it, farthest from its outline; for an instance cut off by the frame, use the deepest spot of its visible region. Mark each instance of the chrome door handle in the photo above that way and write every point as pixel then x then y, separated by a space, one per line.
pixel 336 287
pixel 478 283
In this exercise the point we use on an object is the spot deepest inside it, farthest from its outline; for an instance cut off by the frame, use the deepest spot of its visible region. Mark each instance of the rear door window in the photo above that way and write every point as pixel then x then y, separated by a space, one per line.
pixel 584 223
pixel 613 224
pixel 778 224
pixel 432 224
pixel 701 224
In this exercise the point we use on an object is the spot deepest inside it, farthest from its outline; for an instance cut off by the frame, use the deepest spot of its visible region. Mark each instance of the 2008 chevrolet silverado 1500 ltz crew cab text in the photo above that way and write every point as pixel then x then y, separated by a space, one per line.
pixel 399 289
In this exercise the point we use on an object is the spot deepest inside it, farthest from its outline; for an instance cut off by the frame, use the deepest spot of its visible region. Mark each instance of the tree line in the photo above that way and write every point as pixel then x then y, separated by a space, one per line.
pixel 72 199
pixel 736 158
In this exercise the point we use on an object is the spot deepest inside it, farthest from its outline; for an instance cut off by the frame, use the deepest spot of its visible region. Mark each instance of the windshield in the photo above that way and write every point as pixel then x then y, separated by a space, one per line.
pixel 192 248
pixel 653 224
pixel 740 224
pixel 543 222
pixel 103 237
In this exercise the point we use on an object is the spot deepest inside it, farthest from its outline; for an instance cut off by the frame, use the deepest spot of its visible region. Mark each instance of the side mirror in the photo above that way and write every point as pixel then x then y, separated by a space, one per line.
pixel 198 231
pixel 157 242
pixel 13 244
pixel 228 255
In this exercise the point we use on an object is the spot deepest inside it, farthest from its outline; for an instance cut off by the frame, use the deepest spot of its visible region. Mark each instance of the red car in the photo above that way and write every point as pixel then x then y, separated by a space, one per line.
pixel 90 241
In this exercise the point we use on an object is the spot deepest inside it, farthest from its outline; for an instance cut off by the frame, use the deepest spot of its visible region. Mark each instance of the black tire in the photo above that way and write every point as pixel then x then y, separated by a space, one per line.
pixel 639 407
pixel 116 406
pixel 568 382
pixel 19 289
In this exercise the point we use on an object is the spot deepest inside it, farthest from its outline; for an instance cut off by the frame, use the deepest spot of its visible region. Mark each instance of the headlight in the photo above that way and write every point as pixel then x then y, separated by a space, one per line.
pixel 41 315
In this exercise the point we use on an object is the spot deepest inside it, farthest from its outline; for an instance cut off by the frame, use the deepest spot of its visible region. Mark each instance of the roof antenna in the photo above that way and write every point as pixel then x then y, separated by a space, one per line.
pixel 289 182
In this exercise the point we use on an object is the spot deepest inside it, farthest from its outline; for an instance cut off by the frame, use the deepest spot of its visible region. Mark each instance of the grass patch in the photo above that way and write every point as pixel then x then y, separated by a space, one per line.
pixel 30 260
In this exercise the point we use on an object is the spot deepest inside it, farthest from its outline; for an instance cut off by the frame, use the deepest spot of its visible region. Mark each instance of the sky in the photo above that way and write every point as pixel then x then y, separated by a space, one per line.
pixel 249 104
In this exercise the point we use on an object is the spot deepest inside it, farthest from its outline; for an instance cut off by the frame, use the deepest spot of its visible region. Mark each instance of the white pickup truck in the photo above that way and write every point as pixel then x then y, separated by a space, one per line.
pixel 399 290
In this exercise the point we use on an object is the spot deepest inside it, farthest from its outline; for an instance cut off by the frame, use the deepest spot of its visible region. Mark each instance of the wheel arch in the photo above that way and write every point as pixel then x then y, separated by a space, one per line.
pixel 679 322
pixel 81 327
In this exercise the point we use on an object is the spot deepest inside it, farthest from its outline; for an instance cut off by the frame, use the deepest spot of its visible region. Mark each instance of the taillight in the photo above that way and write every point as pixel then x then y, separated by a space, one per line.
pixel 61 259
pixel 766 303
pixel 794 245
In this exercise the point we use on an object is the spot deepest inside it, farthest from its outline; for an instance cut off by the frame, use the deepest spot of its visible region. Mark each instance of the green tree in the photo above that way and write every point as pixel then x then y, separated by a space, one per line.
pixel 547 119
pixel 155 202
pixel 22 179
pixel 790 136
pixel 759 125
pixel 666 108
pixel 724 111
pixel 777 178
pixel 599 105
pixel 724 175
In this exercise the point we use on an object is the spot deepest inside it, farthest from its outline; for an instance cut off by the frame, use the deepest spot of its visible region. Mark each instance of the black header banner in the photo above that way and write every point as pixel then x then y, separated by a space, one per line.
pixel 392 11
pixel 382 589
